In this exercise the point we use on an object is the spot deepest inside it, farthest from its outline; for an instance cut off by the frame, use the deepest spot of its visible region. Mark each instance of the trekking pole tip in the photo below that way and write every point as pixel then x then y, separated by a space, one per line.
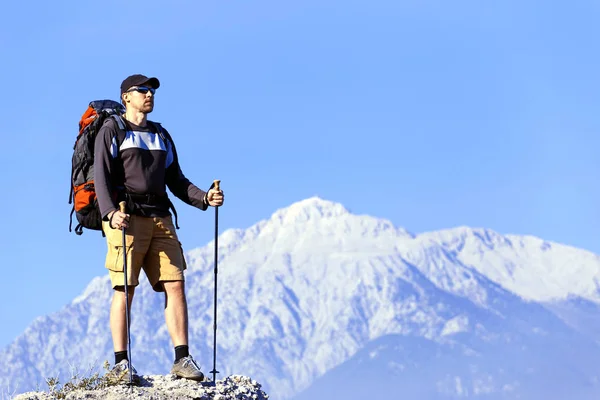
pixel 122 205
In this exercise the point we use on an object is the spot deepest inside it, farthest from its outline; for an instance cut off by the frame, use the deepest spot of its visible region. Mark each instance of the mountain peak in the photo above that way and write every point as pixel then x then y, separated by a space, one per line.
pixel 308 209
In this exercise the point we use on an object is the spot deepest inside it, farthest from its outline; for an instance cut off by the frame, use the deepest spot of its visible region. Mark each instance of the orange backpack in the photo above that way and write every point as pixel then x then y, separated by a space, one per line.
pixel 83 194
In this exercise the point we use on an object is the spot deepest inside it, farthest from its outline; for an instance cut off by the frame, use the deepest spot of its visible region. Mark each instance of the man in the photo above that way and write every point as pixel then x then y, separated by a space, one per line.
pixel 136 166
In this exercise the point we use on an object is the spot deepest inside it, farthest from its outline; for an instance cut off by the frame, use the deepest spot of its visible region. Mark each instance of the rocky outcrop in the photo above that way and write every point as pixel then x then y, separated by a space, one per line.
pixel 167 387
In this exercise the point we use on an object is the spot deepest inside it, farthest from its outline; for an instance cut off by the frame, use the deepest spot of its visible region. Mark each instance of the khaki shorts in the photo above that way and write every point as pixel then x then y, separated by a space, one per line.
pixel 152 245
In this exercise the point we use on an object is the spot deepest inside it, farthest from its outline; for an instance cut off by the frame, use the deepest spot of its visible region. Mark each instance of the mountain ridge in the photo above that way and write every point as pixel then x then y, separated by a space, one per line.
pixel 301 292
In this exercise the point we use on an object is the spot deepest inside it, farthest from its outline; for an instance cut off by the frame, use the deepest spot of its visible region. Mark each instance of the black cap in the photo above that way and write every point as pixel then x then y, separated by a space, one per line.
pixel 137 80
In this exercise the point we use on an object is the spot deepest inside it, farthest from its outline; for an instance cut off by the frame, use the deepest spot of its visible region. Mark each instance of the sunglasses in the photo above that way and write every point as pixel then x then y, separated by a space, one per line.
pixel 142 89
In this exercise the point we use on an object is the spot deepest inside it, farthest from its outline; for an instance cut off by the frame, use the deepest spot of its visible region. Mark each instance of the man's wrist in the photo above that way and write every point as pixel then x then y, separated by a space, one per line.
pixel 110 217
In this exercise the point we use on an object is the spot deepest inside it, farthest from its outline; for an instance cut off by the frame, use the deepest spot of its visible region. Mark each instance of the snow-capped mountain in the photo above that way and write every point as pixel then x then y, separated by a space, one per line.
pixel 318 295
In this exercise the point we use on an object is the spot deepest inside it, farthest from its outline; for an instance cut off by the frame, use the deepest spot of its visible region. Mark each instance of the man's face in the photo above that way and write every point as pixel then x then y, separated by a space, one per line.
pixel 140 98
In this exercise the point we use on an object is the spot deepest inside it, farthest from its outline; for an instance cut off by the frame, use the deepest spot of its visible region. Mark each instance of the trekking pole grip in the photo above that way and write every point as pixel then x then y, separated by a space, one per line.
pixel 217 182
pixel 122 205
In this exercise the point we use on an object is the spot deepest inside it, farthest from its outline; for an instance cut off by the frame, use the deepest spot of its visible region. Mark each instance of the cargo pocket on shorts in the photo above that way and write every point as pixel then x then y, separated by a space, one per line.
pixel 114 258
pixel 183 263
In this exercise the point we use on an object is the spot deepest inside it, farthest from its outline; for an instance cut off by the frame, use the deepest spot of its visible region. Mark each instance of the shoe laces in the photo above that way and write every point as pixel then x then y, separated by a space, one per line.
pixel 125 365
pixel 190 360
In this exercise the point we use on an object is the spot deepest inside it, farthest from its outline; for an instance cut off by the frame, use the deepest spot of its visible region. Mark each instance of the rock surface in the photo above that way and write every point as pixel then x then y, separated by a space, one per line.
pixel 159 387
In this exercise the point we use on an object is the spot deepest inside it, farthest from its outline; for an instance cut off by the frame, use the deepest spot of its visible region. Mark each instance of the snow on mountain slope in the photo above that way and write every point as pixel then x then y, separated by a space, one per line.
pixel 302 292
pixel 529 266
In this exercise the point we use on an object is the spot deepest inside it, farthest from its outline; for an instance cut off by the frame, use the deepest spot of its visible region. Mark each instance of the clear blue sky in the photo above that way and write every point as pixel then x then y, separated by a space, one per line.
pixel 430 114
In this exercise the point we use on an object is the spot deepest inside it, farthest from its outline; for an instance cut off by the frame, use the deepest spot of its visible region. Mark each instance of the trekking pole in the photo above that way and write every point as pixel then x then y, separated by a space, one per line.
pixel 122 206
pixel 214 370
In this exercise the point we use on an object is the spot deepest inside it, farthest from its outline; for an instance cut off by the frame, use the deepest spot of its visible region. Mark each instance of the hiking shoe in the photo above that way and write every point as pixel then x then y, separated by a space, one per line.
pixel 120 374
pixel 188 369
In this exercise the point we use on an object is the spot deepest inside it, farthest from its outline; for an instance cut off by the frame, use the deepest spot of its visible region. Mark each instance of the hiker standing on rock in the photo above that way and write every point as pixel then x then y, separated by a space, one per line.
pixel 136 165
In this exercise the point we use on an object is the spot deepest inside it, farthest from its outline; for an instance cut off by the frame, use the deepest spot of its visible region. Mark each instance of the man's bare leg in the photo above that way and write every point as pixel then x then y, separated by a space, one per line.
pixel 117 317
pixel 176 315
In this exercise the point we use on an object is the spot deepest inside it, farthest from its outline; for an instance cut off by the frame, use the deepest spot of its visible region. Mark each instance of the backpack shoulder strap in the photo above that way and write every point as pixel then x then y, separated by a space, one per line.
pixel 164 135
pixel 119 120
pixel 161 132
pixel 122 128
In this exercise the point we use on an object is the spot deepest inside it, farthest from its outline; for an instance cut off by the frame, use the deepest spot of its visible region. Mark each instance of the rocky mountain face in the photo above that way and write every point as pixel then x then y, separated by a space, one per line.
pixel 317 301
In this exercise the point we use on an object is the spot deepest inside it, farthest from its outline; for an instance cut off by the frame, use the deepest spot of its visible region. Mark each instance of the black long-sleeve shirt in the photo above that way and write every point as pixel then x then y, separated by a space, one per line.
pixel 143 164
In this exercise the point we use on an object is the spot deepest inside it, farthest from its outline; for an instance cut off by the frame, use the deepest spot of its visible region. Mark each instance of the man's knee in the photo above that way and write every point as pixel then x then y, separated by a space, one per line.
pixel 174 288
pixel 119 292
